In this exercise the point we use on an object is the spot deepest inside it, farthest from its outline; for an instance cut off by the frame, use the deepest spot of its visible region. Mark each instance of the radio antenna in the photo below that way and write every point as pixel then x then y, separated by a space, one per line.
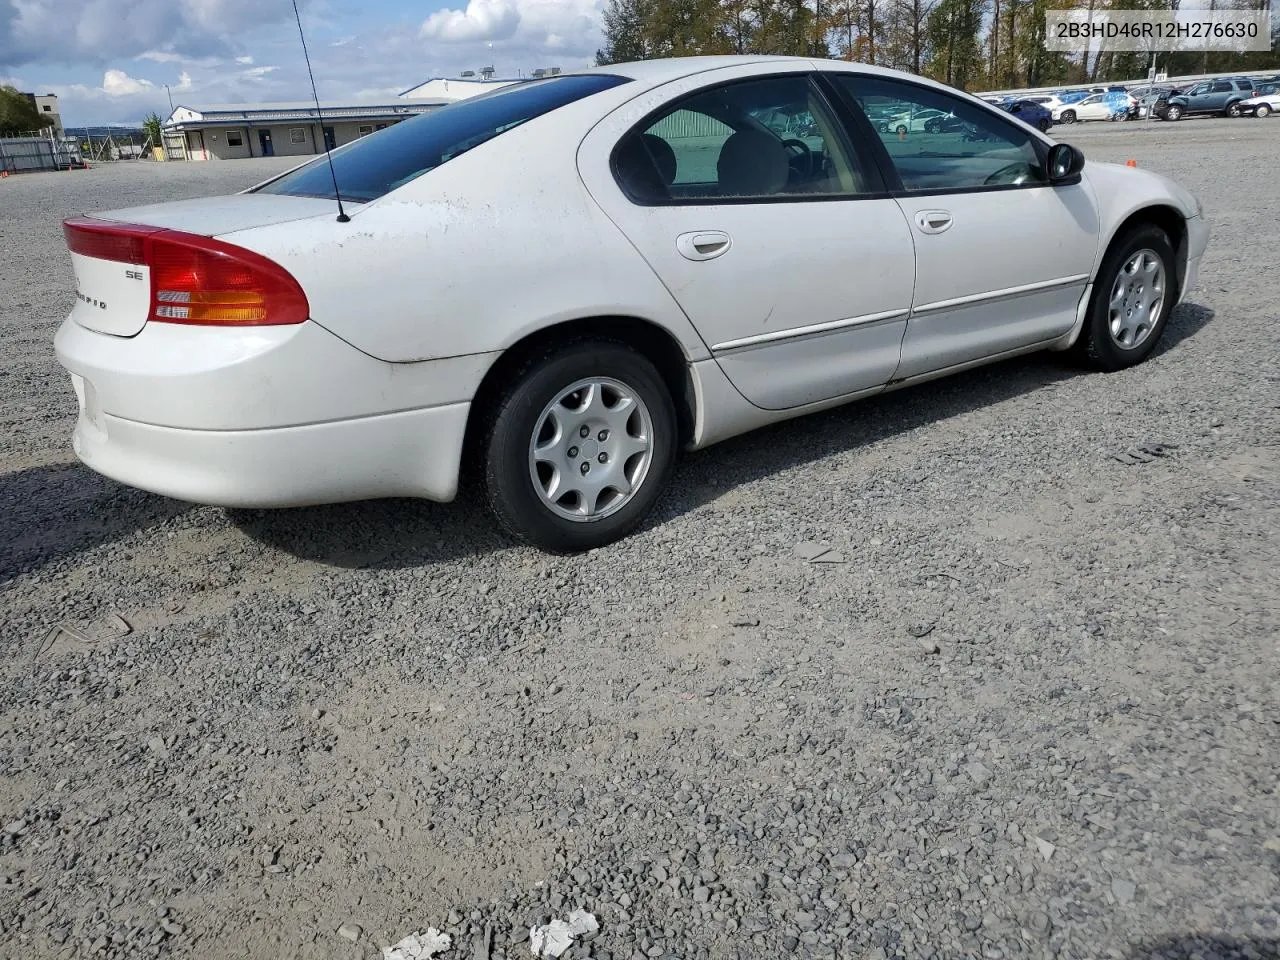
pixel 342 214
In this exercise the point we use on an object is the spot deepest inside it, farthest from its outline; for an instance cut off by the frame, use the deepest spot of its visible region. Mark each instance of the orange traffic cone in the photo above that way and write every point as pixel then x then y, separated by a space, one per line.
pixel 1131 163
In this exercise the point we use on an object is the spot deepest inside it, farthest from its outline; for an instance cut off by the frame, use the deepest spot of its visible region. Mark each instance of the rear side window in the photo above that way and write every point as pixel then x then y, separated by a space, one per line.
pixel 766 139
pixel 375 165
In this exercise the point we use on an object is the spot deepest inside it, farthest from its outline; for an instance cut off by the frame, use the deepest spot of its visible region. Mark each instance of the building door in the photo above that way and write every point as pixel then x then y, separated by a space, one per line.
pixel 330 141
pixel 198 144
pixel 264 139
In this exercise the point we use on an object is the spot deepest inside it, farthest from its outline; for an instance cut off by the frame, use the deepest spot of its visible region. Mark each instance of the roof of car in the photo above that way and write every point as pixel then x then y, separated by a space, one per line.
pixel 674 67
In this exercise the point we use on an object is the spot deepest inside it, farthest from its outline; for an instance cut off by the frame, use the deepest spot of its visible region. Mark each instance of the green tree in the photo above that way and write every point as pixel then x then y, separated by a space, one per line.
pixel 953 41
pixel 153 126
pixel 624 32
pixel 18 114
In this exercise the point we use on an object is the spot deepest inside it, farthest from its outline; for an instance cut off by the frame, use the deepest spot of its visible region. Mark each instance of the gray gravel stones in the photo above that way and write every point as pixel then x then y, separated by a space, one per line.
pixel 341 716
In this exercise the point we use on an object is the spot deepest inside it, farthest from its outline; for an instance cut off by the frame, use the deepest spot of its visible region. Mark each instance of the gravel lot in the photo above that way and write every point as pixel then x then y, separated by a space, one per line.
pixel 1034 712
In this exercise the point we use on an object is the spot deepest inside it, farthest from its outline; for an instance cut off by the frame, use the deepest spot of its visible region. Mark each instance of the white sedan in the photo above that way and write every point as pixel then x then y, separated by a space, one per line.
pixel 1100 106
pixel 1264 104
pixel 560 284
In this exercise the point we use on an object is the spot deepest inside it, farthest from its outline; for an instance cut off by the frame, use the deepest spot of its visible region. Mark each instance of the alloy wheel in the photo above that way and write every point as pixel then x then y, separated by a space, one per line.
pixel 1137 298
pixel 591 449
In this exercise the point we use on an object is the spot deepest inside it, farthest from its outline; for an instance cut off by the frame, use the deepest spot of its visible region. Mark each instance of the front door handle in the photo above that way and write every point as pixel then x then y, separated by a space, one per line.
pixel 933 221
pixel 703 244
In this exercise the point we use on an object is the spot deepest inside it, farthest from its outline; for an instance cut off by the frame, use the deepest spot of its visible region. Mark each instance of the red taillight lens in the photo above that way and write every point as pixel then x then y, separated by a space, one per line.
pixel 107 241
pixel 195 279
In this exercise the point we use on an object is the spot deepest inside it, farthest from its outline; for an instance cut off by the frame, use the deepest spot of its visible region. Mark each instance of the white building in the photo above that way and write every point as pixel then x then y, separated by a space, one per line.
pixel 468 85
pixel 236 130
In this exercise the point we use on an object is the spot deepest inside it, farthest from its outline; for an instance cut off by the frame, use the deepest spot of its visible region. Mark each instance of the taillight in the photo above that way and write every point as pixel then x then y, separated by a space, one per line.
pixel 195 279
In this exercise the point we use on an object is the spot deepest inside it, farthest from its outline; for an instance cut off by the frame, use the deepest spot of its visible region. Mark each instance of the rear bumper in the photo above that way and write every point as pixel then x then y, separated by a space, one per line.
pixel 410 454
pixel 266 417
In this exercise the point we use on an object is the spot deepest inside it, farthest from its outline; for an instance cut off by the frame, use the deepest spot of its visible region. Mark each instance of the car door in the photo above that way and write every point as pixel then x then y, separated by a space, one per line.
pixel 1002 257
pixel 1199 98
pixel 1094 108
pixel 1216 99
pixel 785 252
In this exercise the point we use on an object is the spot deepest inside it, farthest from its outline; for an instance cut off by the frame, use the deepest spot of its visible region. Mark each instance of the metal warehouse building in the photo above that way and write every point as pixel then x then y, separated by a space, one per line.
pixel 236 130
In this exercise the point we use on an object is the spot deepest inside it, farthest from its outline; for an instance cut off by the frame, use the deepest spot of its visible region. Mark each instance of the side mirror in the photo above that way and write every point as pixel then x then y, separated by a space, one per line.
pixel 1065 163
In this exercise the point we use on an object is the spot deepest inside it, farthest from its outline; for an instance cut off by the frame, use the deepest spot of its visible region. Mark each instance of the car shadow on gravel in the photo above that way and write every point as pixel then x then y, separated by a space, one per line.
pixel 1209 946
pixel 1188 319
pixel 380 534
pixel 61 509
pixel 394 534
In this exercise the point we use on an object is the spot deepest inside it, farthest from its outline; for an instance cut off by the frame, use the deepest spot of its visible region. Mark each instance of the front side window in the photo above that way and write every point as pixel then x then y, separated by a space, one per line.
pixel 369 168
pixel 963 146
pixel 772 138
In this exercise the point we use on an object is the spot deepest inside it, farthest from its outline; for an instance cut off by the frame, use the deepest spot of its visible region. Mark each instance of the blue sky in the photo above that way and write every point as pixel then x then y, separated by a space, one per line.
pixel 109 60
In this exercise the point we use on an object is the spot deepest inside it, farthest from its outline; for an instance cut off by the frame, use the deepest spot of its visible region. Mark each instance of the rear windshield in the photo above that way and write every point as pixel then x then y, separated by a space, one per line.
pixel 377 164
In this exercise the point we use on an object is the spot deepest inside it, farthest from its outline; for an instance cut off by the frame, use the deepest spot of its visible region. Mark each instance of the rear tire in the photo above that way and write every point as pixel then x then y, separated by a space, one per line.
pixel 1233 110
pixel 554 488
pixel 1133 295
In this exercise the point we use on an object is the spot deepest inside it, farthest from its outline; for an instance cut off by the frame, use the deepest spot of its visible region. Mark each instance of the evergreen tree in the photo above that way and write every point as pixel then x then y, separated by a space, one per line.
pixel 18 114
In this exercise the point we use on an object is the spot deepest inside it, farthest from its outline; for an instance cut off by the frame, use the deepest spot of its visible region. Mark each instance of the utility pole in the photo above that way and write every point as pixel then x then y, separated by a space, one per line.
pixel 166 90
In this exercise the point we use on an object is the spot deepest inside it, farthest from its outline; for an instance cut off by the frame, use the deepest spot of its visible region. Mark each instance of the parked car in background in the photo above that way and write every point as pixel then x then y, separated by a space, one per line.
pixel 1144 98
pixel 1266 101
pixel 1099 106
pixel 1074 96
pixel 1035 114
pixel 914 121
pixel 665 304
pixel 1046 100
pixel 1222 96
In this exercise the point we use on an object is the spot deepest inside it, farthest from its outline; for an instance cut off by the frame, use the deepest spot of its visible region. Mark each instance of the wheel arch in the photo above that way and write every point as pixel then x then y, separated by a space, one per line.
pixel 655 342
pixel 1169 219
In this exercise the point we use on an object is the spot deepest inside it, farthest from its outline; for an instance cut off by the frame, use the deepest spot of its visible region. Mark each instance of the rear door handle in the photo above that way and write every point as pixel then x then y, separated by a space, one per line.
pixel 703 244
pixel 933 221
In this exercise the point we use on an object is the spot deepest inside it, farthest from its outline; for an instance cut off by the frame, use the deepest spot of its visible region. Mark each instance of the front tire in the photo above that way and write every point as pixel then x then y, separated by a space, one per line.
pixel 579 447
pixel 1262 110
pixel 1043 126
pixel 1173 113
pixel 1068 116
pixel 1133 295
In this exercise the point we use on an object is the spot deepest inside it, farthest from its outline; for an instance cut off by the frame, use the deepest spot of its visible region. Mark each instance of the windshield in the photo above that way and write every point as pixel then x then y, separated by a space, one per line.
pixel 375 165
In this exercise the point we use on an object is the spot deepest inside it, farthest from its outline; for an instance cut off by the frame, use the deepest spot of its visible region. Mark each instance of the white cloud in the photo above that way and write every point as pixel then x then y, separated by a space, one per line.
pixel 256 72
pixel 245 60
pixel 117 83
pixel 482 20
pixel 99 31
pixel 184 81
